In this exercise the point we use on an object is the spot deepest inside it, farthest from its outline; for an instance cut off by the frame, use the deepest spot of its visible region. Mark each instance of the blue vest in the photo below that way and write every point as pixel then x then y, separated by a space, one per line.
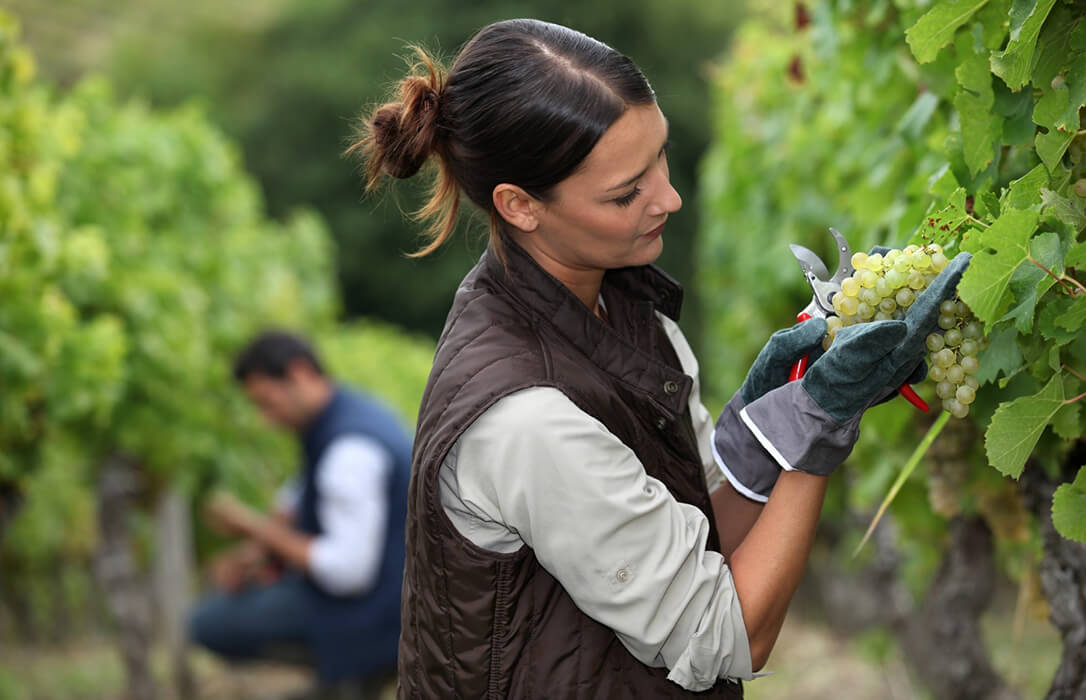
pixel 357 636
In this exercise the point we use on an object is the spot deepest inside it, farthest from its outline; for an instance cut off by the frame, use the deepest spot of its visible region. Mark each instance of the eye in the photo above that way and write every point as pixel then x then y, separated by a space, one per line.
pixel 627 199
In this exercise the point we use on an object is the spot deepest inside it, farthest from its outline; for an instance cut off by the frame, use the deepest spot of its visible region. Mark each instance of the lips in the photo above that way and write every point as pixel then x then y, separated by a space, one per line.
pixel 655 232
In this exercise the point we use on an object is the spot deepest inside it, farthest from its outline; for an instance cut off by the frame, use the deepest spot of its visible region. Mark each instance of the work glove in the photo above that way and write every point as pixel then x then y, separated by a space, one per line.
pixel 813 424
pixel 744 462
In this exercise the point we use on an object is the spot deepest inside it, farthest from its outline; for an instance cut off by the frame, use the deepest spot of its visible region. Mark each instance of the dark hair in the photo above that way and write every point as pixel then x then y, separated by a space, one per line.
pixel 271 352
pixel 524 103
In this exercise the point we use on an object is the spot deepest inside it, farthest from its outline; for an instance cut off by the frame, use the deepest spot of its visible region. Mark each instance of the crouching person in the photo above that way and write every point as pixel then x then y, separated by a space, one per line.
pixel 318 580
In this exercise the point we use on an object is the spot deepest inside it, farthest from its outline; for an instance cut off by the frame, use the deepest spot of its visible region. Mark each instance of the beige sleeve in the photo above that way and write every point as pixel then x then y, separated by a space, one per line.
pixel 629 554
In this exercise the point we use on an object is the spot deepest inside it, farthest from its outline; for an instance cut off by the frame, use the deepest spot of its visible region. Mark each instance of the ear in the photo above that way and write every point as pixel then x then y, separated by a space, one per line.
pixel 517 207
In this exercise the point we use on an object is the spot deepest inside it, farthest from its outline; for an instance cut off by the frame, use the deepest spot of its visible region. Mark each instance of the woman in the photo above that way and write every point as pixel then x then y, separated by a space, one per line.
pixel 570 534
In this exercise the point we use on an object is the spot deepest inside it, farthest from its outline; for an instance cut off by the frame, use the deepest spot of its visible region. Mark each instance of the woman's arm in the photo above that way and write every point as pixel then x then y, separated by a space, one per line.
pixel 768 564
pixel 735 515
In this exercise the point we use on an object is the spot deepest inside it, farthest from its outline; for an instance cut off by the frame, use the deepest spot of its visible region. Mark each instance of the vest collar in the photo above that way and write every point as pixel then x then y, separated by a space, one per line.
pixel 625 349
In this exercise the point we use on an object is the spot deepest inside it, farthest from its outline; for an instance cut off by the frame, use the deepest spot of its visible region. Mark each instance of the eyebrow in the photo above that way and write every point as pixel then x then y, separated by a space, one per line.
pixel 638 176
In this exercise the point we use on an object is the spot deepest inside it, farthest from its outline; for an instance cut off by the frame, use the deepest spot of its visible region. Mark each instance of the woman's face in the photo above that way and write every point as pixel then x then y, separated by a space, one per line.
pixel 610 213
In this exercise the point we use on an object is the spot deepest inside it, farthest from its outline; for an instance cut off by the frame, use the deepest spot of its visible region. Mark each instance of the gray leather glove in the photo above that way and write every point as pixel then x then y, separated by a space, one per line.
pixel 813 424
pixel 747 465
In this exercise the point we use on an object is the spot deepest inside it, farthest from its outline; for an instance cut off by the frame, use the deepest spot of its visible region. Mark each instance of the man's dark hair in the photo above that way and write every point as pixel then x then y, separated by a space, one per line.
pixel 271 352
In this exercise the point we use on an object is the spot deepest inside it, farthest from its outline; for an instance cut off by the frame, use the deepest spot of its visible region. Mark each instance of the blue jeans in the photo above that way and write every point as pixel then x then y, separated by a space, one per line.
pixel 256 623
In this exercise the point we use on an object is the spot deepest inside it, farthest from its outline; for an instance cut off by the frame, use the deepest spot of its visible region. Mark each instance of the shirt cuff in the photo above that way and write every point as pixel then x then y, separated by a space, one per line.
pixel 701 665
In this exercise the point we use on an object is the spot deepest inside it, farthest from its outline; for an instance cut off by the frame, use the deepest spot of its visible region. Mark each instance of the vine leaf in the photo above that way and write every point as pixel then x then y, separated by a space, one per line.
pixel 1024 192
pixel 1069 508
pixel 1074 318
pixel 1003 355
pixel 1068 212
pixel 1017 426
pixel 1076 257
pixel 1001 249
pixel 936 28
pixel 1052 144
pixel 981 128
pixel 1066 421
pixel 1013 64
pixel 1029 282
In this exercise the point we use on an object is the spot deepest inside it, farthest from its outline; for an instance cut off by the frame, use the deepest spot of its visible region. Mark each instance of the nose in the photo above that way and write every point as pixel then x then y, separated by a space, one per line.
pixel 667 200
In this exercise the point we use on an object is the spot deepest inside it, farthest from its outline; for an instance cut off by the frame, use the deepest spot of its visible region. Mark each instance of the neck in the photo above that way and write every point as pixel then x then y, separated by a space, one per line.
pixel 317 397
pixel 584 282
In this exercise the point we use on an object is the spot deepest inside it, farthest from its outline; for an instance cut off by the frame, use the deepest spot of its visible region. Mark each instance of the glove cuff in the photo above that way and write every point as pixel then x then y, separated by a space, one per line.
pixel 797 432
pixel 747 466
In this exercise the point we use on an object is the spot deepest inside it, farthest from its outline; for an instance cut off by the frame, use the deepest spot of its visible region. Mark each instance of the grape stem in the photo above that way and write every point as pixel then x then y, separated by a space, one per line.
pixel 1062 279
pixel 910 465
pixel 977 221
pixel 1077 398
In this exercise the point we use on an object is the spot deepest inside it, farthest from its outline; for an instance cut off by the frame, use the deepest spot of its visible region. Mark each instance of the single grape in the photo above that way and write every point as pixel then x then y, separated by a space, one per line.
pixel 904 297
pixel 966 394
pixel 970 364
pixel 865 310
pixel 858 260
pixel 882 287
pixel 935 342
pixel 934 249
pixel 972 329
pixel 953 337
pixel 948 308
pixel 921 260
pixel 910 249
pixel 869 297
pixel 903 264
pixel 955 374
pixel 947 322
pixel 867 279
pixel 945 389
pixel 936 373
pixel 888 305
pixel 850 287
pixel 1080 187
pixel 972 382
pixel 881 315
pixel 832 324
pixel 873 262
pixel 917 281
pixel 956 408
pixel 962 309
pixel 891 257
pixel 939 262
pixel 968 347
pixel 895 279
pixel 849 305
pixel 827 341
pixel 946 357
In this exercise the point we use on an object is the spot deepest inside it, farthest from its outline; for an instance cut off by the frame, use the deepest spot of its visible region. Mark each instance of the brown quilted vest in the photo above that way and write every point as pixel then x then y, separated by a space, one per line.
pixel 480 624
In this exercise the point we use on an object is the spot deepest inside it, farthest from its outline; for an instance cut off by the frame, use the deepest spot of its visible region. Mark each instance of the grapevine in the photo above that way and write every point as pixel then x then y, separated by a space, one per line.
pixel 884 285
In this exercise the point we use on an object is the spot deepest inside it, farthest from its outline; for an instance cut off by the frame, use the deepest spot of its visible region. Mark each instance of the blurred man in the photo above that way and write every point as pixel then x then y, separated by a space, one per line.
pixel 338 531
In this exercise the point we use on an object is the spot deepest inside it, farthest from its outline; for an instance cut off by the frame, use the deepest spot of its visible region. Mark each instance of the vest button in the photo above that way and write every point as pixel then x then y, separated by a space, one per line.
pixel 661 422
pixel 623 575
pixel 670 387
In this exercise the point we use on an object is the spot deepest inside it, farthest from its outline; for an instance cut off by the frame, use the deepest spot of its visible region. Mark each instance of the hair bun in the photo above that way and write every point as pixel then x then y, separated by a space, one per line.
pixel 404 132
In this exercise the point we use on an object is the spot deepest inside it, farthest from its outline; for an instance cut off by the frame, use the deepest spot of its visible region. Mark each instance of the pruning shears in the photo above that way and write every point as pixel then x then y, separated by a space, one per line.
pixel 824 286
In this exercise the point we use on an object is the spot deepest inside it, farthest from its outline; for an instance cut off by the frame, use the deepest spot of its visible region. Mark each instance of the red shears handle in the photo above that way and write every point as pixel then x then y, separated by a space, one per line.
pixel 800 368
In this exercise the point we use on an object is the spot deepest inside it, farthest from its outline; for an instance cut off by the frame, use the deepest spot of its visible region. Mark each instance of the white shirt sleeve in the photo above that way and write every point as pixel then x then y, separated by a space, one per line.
pixel 535 468
pixel 352 480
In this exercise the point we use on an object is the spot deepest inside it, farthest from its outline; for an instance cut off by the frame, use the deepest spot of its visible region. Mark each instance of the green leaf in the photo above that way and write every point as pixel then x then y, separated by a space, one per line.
pixel 1030 282
pixel 993 23
pixel 1074 318
pixel 942 225
pixel 943 183
pixel 1001 356
pixel 1050 313
pixel 1017 426
pixel 1052 143
pixel 1069 508
pixel 1066 421
pixel 1076 257
pixel 1062 44
pixel 1067 211
pixel 1014 63
pixel 1002 249
pixel 1016 108
pixel 935 29
pixel 981 128
pixel 1025 192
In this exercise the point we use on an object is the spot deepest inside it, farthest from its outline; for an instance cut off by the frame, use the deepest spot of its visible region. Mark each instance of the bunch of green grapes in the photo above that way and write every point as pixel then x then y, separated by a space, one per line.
pixel 884 285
